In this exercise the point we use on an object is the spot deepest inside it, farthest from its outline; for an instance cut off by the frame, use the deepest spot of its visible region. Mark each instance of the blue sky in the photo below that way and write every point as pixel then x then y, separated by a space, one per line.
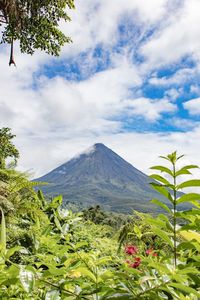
pixel 130 80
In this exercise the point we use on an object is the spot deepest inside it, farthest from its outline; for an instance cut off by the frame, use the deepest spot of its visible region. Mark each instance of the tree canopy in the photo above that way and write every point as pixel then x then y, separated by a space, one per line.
pixel 34 23
pixel 7 148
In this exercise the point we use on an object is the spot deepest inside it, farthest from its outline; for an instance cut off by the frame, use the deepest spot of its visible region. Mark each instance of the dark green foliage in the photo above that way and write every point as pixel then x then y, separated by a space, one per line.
pixel 59 255
pixel 170 189
pixel 100 216
pixel 7 148
pixel 35 24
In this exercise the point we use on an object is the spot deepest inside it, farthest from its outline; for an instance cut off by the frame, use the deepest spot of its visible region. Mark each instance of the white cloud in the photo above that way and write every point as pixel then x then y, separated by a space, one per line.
pixel 179 77
pixel 179 37
pixel 96 22
pixel 193 106
pixel 173 93
pixel 150 109
pixel 183 124
pixel 194 88
pixel 59 105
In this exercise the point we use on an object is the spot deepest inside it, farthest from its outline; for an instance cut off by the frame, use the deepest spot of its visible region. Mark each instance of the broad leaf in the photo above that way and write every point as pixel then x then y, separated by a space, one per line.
pixel 185 169
pixel 86 272
pixel 162 205
pixel 184 288
pixel 164 236
pixel 160 179
pixel 11 251
pixel 3 232
pixel 53 295
pixel 56 202
pixel 103 260
pixel 162 190
pixel 57 222
pixel 162 169
pixel 188 198
pixel 190 235
pixel 189 183
pixel 27 279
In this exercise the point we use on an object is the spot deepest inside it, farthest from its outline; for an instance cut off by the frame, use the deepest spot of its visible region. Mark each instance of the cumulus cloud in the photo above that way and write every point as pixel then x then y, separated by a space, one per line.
pixel 96 22
pixel 180 36
pixel 193 106
pixel 179 77
pixel 151 109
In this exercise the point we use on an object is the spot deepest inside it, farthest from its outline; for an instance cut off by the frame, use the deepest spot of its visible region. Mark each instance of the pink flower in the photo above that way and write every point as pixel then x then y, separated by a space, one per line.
pixel 131 250
pixel 137 262
pixel 151 252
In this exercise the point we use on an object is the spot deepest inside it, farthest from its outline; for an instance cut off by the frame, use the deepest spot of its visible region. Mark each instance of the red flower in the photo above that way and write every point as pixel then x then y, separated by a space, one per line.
pixel 151 252
pixel 137 262
pixel 131 250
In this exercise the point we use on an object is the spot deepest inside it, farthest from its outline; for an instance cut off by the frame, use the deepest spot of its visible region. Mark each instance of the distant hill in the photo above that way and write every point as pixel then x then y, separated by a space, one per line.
pixel 99 176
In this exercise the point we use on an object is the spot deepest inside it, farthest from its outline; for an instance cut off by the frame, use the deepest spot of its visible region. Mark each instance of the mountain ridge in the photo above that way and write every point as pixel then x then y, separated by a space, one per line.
pixel 99 176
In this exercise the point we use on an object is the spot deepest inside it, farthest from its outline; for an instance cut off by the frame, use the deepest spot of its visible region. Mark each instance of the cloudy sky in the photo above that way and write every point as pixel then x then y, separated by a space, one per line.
pixel 129 80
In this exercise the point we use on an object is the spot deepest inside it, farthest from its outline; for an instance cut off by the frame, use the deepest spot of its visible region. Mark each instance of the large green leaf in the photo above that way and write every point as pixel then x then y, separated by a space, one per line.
pixel 11 251
pixel 164 236
pixel 27 279
pixel 3 232
pixel 86 272
pixel 103 260
pixel 190 235
pixel 162 190
pixel 57 222
pixel 190 197
pixel 156 222
pixel 189 183
pixel 184 170
pixel 185 288
pixel 56 202
pixel 162 205
pixel 162 169
pixel 161 179
pixel 53 295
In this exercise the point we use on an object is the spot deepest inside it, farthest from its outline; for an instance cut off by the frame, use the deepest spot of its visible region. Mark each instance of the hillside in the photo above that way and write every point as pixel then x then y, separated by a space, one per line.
pixel 100 176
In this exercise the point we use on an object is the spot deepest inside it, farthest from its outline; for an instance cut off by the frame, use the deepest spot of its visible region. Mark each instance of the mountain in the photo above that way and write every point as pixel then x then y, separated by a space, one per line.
pixel 100 176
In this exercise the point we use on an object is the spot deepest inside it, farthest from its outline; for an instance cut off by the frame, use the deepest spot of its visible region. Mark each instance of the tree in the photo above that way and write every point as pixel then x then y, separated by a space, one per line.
pixel 34 23
pixel 7 148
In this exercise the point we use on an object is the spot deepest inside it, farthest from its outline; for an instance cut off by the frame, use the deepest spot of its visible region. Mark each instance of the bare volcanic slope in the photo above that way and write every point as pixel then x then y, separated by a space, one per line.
pixel 100 176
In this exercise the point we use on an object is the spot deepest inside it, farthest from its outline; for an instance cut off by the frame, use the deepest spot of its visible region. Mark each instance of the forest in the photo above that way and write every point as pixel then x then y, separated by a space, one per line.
pixel 49 252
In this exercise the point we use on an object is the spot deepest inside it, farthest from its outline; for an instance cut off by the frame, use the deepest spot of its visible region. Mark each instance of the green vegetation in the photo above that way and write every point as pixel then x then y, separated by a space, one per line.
pixel 48 252
pixel 7 148
pixel 21 20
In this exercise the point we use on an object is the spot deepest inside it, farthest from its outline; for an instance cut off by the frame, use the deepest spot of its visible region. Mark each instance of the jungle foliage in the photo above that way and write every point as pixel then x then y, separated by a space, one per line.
pixel 48 252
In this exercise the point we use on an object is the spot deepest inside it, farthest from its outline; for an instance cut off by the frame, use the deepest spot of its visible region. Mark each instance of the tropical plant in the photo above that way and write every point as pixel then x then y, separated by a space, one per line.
pixel 35 24
pixel 137 230
pixel 74 259
pixel 7 148
pixel 170 189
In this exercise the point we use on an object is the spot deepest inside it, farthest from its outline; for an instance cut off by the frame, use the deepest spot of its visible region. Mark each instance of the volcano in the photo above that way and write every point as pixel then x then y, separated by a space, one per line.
pixel 99 176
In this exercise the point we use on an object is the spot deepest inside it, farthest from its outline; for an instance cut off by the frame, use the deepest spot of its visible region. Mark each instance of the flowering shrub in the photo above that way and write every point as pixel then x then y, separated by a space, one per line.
pixel 131 250
pixel 135 263
pixel 151 252
pixel 60 266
